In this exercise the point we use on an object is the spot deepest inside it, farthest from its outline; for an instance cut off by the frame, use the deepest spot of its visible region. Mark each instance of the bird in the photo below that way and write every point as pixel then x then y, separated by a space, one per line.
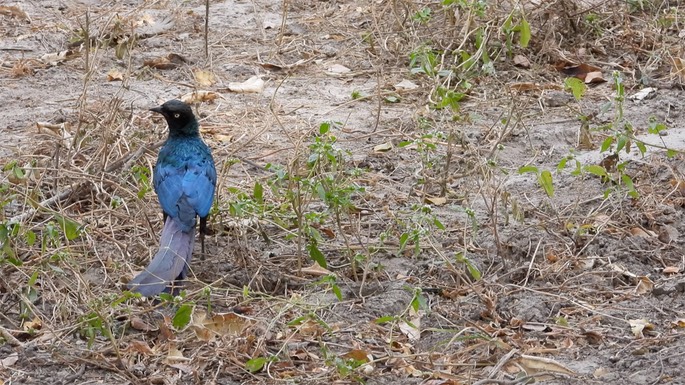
pixel 184 179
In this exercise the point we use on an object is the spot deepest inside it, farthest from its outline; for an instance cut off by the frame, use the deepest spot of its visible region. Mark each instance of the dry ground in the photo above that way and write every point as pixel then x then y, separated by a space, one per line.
pixel 449 267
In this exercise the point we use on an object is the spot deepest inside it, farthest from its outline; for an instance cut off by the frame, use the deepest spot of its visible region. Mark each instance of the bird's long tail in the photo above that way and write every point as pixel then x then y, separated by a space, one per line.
pixel 169 264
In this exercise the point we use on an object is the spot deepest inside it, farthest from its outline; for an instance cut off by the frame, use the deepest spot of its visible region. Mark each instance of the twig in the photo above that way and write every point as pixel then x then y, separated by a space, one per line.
pixel 206 29
pixel 9 337
pixel 126 159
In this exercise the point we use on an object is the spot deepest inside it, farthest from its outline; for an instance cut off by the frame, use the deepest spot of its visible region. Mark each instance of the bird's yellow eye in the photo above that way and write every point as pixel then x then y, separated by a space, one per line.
pixel 177 115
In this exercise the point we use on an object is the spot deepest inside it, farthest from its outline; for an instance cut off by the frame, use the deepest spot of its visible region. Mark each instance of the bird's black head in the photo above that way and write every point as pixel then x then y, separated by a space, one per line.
pixel 180 118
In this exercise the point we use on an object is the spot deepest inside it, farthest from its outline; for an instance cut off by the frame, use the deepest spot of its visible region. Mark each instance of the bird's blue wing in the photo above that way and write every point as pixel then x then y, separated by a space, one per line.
pixel 168 183
pixel 199 183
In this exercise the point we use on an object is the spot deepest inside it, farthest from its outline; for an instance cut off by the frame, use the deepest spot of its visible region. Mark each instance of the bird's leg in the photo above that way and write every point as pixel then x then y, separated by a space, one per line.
pixel 203 231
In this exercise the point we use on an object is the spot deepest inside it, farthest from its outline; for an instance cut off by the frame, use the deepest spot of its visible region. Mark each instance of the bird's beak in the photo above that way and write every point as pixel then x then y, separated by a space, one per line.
pixel 158 110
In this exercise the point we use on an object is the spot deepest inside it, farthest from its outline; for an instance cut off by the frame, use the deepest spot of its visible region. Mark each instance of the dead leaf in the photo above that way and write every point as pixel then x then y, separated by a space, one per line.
pixel 174 355
pixel 645 93
pixel 114 75
pixel 204 78
pixel 609 162
pixel 35 324
pixel 577 70
pixel 223 138
pixel 521 61
pixel 585 72
pixel 316 270
pixel 147 26
pixel 14 11
pixel 140 347
pixel 138 324
pixel 679 323
pixel 525 86
pixel 600 372
pixel 638 232
pixel 594 77
pixel 671 270
pixel 167 62
pixel 437 201
pixel 337 70
pixel 638 326
pixel 412 330
pixel 358 355
pixel 221 324
pixel 199 97
pixel 383 147
pixel 226 323
pixel 252 85
pixel 644 285
pixel 678 70
pixel 405 85
pixel 55 58
pixel 10 360
pixel 361 356
pixel 533 364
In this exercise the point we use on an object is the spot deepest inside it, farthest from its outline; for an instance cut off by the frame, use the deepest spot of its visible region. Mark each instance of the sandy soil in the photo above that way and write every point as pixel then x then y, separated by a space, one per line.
pixel 586 285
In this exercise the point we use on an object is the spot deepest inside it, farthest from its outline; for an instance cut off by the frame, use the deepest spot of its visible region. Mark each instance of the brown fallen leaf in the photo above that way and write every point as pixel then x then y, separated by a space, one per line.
pixel 585 72
pixel 525 86
pixel 533 364
pixel 521 61
pixel 8 361
pixel 316 270
pixel 638 326
pixel 437 201
pixel 252 85
pixel 199 97
pixel 114 75
pixel 204 78
pixel 383 147
pixel 140 347
pixel 594 77
pixel 671 270
pixel 167 62
pixel 609 163
pixel 678 70
pixel 137 323
pixel 14 11
pixel 644 285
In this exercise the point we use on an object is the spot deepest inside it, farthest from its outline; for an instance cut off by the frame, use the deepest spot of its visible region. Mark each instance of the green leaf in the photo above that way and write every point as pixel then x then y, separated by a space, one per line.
pixel 641 146
pixel 671 153
pixel 317 255
pixel 524 39
pixel 387 318
pixel 336 290
pixel 256 364
pixel 30 238
pixel 596 170
pixel 438 224
pixel 258 192
pixel 528 169
pixel 576 86
pixel 545 180
pixel 606 144
pixel 622 140
pixel 403 241
pixel 628 181
pixel 182 316
pixel 71 229
pixel 324 128
pixel 34 278
pixel 392 99
pixel 562 164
